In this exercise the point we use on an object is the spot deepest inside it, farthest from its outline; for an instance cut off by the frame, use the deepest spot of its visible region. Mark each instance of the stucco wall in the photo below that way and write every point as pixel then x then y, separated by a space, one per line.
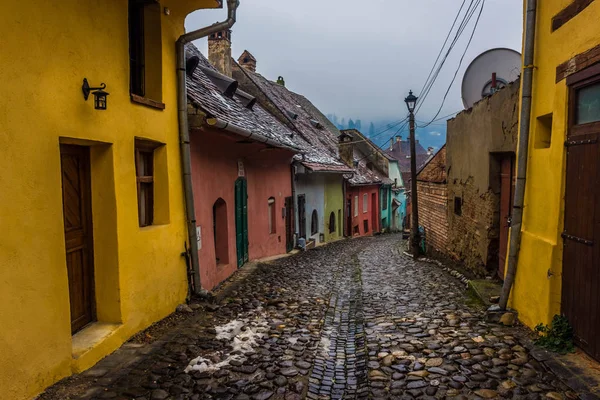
pixel 354 193
pixel 334 203
pixel 312 186
pixel 475 139
pixel 537 289
pixel 47 50
pixel 215 156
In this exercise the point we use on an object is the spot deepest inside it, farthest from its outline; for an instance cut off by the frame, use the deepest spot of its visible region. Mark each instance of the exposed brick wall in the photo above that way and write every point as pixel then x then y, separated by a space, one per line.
pixel 473 232
pixel 433 212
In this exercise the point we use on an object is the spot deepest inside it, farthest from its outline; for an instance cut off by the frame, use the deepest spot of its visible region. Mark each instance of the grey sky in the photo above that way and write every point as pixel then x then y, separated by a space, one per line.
pixel 359 58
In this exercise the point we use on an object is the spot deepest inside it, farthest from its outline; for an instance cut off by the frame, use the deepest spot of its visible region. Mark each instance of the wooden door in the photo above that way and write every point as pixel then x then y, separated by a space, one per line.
pixel 506 199
pixel 289 223
pixel 349 217
pixel 241 221
pixel 77 216
pixel 302 216
pixel 581 237
pixel 374 212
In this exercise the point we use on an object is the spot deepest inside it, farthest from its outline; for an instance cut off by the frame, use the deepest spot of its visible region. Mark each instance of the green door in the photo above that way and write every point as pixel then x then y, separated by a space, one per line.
pixel 241 221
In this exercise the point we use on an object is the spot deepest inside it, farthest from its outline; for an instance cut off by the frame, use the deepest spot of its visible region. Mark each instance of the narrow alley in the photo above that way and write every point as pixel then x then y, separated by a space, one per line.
pixel 353 319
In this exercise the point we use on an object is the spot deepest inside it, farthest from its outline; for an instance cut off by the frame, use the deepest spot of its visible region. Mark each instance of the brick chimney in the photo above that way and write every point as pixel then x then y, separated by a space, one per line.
pixel 219 51
pixel 247 61
pixel 398 138
pixel 346 148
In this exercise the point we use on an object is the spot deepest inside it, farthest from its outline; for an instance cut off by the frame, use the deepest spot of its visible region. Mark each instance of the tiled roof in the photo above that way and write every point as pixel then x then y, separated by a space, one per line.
pixel 317 167
pixel 365 176
pixel 203 93
pixel 318 144
pixel 401 151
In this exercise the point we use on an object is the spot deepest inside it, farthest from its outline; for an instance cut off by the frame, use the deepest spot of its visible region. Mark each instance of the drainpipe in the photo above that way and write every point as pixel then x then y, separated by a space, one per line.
pixel 184 131
pixel 294 213
pixel 523 148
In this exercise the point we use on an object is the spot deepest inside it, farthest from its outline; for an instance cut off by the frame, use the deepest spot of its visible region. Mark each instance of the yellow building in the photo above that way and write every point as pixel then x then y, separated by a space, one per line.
pixel 557 271
pixel 90 241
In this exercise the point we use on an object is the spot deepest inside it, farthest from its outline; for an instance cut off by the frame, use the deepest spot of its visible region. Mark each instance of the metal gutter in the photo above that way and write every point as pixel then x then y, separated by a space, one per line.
pixel 257 137
pixel 184 131
pixel 522 153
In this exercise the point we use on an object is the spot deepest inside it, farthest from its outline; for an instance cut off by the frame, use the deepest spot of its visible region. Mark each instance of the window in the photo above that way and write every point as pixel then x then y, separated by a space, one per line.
pixel 221 236
pixel 356 206
pixel 458 206
pixel 145 50
pixel 314 223
pixel 144 171
pixel 332 222
pixel 366 225
pixel 365 203
pixel 587 104
pixel 272 221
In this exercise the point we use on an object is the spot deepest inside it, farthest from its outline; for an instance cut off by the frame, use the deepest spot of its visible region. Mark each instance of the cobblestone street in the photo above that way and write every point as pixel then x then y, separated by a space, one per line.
pixel 354 319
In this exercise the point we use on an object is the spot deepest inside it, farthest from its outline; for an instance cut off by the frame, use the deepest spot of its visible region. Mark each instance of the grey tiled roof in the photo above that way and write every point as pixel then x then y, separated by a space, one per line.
pixel 319 145
pixel 205 95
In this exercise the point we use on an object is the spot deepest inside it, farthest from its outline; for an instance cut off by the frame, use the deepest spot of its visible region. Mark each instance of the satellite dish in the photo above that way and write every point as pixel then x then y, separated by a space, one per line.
pixel 477 82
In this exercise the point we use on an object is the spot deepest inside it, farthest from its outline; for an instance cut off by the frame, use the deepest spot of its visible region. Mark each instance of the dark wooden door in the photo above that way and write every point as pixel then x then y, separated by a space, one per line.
pixel 241 221
pixel 302 216
pixel 581 237
pixel 289 223
pixel 506 199
pixel 77 215
pixel 374 213
pixel 349 217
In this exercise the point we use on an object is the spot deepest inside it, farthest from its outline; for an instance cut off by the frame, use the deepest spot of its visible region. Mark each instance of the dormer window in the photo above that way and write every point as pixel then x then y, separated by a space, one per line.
pixel 316 124
pixel 291 114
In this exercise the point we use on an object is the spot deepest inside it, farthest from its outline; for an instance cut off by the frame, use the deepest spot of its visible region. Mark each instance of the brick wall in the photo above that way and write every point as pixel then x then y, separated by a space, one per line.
pixel 433 206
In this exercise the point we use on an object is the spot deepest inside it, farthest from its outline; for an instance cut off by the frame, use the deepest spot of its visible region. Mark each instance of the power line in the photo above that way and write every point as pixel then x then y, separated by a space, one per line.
pixel 459 64
pixel 473 5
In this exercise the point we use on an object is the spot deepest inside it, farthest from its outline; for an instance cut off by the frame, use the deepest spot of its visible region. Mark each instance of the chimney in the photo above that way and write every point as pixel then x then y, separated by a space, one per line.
pixel 247 61
pixel 346 148
pixel 429 151
pixel 398 138
pixel 219 51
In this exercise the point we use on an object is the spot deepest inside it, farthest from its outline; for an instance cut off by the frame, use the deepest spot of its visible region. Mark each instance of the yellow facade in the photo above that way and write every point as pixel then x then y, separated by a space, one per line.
pixel 48 47
pixel 536 293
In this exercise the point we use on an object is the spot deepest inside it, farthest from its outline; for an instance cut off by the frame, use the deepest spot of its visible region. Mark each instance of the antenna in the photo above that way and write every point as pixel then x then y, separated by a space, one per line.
pixel 489 72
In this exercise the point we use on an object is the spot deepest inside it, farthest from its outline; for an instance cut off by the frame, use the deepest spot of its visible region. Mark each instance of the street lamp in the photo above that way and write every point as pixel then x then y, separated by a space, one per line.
pixel 411 102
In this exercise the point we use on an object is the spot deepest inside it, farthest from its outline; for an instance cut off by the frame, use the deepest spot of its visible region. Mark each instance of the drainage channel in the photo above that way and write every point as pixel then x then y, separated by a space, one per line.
pixel 340 366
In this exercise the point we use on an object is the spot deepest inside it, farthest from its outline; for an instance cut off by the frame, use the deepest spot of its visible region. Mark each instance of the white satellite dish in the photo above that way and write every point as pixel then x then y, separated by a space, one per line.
pixel 477 82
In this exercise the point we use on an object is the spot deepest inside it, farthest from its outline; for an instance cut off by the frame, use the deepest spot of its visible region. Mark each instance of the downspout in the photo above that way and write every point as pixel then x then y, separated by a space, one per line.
pixel 522 153
pixel 184 132
pixel 294 212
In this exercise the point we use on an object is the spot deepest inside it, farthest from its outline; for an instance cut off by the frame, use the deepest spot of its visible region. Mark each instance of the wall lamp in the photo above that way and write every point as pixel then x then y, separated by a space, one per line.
pixel 98 92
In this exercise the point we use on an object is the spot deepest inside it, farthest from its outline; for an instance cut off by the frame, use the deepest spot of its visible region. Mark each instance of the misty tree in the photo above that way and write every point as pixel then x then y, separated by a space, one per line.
pixel 351 124
pixel 371 129
pixel 358 124
pixel 343 123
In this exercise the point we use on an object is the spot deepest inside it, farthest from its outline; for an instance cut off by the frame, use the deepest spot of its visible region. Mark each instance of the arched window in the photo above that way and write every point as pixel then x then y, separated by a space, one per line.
pixel 332 222
pixel 314 223
pixel 272 222
pixel 220 231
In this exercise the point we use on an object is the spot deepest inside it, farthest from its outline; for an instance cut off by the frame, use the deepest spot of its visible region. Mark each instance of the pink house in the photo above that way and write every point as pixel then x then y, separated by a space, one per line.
pixel 241 174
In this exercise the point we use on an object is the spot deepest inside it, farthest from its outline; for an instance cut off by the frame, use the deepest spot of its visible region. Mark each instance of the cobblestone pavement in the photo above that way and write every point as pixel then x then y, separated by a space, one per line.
pixel 352 320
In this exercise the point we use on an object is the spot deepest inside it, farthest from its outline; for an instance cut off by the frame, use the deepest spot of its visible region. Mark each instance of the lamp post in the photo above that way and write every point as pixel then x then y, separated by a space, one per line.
pixel 411 101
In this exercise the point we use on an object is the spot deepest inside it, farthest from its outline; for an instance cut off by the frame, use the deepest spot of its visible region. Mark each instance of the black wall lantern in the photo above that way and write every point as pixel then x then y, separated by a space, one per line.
pixel 98 92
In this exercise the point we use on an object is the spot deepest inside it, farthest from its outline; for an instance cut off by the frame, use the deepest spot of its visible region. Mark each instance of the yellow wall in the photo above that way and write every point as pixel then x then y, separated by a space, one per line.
pixel 334 202
pixel 48 47
pixel 537 290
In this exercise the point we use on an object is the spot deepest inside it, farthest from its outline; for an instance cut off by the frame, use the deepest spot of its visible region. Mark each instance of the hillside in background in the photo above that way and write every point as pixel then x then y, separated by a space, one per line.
pixel 382 131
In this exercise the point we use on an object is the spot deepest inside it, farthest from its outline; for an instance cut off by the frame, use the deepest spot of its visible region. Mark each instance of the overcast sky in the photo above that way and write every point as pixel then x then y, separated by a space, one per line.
pixel 359 58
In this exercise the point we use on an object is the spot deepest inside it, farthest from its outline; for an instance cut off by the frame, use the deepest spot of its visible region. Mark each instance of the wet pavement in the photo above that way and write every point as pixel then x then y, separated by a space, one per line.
pixel 352 320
